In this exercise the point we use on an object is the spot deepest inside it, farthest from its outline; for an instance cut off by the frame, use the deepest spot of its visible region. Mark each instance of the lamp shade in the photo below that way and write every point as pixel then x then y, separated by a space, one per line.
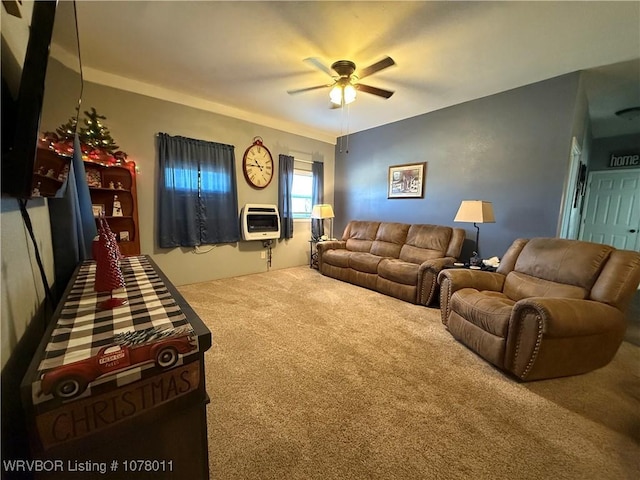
pixel 476 211
pixel 322 210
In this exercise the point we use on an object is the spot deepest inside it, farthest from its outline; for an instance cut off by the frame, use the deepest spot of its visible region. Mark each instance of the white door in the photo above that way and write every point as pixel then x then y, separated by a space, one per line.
pixel 612 209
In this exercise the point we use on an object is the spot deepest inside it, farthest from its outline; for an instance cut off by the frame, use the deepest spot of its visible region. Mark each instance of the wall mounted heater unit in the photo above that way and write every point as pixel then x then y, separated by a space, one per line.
pixel 259 222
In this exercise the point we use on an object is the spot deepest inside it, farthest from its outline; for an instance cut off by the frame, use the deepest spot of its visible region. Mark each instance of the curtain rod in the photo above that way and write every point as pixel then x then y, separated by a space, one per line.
pixel 303 161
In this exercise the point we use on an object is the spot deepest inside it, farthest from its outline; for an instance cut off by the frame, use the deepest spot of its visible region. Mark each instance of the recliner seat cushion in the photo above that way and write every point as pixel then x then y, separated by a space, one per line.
pixel 489 311
pixel 520 285
pixel 398 271
pixel 338 257
pixel 364 262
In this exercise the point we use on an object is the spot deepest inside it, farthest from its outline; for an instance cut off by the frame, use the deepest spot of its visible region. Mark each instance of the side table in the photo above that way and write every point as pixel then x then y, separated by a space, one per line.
pixel 484 268
pixel 313 254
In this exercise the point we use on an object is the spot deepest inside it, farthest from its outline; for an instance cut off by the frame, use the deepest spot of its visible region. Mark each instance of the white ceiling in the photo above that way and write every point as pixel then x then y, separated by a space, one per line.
pixel 239 58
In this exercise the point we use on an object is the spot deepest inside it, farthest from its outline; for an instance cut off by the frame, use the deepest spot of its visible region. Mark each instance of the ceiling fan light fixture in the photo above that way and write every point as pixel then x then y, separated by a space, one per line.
pixel 343 92
pixel 345 86
pixel 349 93
pixel 335 95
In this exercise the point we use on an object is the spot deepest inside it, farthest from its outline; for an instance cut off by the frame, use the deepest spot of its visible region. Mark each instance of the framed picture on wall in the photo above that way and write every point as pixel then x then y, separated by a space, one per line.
pixel 407 181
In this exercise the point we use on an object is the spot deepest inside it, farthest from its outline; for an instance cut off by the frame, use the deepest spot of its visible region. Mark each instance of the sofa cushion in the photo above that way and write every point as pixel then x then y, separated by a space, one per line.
pixel 487 310
pixel 364 262
pixel 360 235
pixel 425 242
pixel 338 257
pixel 399 271
pixel 563 261
pixel 390 238
pixel 520 285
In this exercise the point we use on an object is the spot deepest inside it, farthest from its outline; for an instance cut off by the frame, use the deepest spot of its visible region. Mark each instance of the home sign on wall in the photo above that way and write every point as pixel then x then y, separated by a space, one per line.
pixel 624 160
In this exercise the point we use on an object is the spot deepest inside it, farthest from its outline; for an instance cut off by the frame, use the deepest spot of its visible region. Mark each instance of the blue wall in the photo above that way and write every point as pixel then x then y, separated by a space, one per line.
pixel 511 149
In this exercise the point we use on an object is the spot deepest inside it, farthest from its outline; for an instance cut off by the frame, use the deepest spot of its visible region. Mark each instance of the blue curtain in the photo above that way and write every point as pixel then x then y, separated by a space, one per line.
pixel 73 226
pixel 317 196
pixel 285 186
pixel 197 192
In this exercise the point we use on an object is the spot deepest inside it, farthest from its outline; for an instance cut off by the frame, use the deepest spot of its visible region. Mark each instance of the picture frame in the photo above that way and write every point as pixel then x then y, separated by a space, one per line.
pixel 407 180
pixel 123 236
pixel 98 209
pixel 94 179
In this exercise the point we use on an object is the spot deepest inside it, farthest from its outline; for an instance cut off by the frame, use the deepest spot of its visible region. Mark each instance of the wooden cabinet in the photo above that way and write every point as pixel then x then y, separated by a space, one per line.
pixel 111 186
pixel 136 417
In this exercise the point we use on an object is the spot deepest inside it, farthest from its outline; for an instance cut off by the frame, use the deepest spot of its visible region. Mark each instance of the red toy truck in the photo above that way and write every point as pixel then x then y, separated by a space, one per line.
pixel 68 381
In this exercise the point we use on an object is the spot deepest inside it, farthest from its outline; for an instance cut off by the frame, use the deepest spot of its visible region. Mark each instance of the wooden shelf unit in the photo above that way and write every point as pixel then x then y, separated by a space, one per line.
pixel 105 183
pixel 49 173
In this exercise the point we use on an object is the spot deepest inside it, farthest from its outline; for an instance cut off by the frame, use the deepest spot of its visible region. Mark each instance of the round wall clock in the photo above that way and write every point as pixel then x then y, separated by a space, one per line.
pixel 257 164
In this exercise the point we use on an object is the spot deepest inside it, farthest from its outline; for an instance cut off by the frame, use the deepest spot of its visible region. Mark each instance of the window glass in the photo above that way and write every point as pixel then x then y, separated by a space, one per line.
pixel 301 194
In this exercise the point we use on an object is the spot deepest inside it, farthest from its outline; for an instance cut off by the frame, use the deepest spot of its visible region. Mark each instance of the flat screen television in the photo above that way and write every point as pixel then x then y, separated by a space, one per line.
pixel 38 48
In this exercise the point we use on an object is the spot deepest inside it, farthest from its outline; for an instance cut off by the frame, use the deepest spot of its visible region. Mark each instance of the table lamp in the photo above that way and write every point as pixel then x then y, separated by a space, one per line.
pixel 322 211
pixel 476 211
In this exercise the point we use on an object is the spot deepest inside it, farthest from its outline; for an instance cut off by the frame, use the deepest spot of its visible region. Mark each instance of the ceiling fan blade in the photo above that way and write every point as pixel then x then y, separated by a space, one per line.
pixel 376 67
pixel 300 90
pixel 374 90
pixel 319 65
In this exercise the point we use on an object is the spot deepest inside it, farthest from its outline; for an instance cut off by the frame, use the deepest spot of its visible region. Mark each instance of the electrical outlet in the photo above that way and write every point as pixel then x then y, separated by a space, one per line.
pixel 263 255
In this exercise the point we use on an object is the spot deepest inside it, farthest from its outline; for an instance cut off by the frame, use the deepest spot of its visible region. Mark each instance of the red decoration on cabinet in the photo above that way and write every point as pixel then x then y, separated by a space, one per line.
pixel 108 273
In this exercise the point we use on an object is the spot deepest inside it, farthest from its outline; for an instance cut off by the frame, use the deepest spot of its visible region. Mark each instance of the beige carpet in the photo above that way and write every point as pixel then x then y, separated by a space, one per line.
pixel 312 378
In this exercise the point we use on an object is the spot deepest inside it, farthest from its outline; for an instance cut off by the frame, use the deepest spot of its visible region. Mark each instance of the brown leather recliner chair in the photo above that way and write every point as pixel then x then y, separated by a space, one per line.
pixel 553 308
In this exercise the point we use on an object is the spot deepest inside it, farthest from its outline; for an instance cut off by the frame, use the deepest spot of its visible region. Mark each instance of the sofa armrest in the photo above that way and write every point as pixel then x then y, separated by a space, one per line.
pixel 554 337
pixel 322 247
pixel 330 245
pixel 454 279
pixel 428 278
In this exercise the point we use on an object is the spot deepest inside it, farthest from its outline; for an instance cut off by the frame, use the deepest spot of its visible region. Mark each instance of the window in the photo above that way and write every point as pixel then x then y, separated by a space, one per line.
pixel 197 198
pixel 301 193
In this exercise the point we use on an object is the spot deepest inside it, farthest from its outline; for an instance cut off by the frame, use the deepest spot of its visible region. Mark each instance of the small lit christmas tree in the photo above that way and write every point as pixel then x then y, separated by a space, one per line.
pixel 66 131
pixel 96 135
pixel 96 141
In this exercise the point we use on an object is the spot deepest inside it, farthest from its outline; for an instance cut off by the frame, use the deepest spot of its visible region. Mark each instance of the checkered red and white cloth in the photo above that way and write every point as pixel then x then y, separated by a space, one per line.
pixel 82 328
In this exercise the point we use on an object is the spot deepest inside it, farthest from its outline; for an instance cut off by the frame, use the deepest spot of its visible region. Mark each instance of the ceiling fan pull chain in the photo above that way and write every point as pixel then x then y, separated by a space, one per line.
pixel 347 140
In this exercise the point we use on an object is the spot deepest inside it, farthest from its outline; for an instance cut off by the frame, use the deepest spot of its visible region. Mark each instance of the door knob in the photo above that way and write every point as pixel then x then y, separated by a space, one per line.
pixel 633 230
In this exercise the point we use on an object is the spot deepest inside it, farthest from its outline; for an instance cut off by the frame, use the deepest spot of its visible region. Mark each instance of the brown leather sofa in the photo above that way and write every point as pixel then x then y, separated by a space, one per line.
pixel 396 259
pixel 553 308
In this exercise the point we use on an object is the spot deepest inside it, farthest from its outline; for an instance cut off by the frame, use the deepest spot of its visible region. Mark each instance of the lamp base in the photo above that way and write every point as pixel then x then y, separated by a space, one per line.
pixel 477 252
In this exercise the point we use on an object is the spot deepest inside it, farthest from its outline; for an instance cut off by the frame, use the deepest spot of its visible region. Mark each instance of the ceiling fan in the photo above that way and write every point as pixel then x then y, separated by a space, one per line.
pixel 345 82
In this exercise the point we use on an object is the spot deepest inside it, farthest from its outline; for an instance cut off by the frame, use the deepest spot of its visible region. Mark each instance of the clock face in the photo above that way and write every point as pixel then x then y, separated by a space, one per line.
pixel 257 166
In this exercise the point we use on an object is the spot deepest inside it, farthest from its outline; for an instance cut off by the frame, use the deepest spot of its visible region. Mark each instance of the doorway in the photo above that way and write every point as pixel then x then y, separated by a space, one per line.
pixel 612 209
pixel 572 199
